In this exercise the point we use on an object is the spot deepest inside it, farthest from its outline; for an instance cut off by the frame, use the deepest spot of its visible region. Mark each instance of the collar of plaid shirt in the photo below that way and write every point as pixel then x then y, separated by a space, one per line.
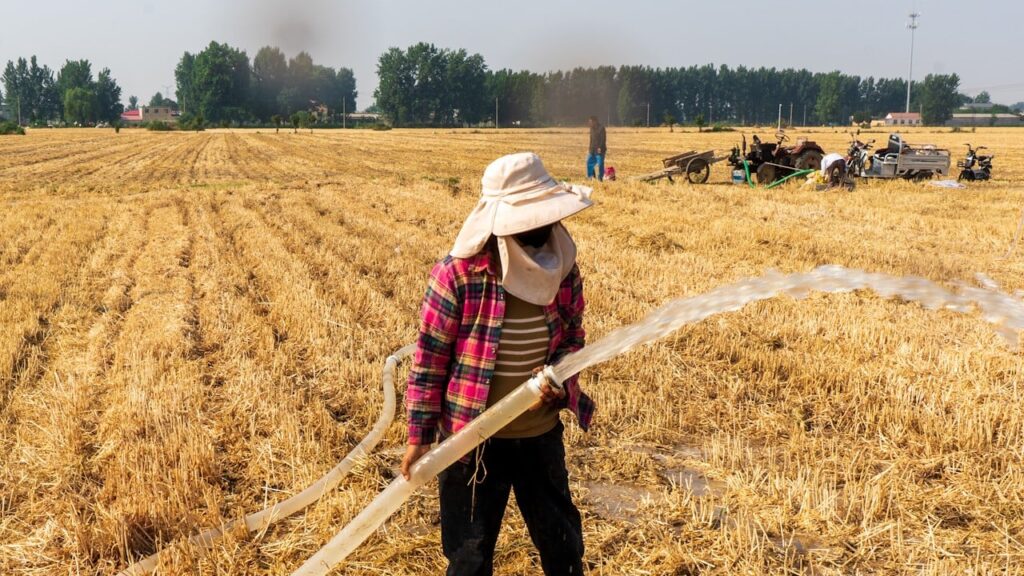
pixel 460 327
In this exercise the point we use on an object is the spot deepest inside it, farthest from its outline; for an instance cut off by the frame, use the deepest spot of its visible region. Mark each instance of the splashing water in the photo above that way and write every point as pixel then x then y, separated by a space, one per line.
pixel 1004 311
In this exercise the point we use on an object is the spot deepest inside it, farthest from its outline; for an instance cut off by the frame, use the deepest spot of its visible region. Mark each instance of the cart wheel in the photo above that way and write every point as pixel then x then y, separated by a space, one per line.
pixel 697 171
pixel 765 174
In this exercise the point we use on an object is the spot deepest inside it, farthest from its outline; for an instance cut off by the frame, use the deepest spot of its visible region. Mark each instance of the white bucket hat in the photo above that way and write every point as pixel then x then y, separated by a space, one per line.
pixel 518 195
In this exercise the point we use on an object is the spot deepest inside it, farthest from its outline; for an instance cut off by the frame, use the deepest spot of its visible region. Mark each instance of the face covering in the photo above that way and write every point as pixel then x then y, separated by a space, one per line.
pixel 534 273
pixel 535 238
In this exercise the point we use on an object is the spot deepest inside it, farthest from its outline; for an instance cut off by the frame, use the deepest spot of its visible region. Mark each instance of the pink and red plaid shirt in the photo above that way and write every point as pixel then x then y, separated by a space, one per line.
pixel 458 340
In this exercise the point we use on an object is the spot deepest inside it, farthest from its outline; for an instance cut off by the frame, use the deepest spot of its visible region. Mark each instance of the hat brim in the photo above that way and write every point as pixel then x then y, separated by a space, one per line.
pixel 561 203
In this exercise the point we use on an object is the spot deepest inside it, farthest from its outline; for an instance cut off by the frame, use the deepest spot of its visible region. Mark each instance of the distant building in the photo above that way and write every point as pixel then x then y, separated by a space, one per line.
pixel 364 116
pixel 982 119
pixel 903 119
pixel 151 114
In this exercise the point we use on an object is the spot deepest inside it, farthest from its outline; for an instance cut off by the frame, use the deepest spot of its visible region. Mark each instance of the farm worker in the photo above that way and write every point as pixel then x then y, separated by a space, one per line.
pixel 833 170
pixel 507 300
pixel 598 149
pixel 828 160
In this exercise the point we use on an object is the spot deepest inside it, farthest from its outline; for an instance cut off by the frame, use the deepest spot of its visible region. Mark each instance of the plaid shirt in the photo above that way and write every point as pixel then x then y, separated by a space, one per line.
pixel 458 342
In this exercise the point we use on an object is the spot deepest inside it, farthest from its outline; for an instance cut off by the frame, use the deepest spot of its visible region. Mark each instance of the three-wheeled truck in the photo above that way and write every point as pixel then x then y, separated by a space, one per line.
pixel 900 160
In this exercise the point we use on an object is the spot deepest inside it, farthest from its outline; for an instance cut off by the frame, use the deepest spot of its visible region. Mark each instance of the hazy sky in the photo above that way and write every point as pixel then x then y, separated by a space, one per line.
pixel 142 41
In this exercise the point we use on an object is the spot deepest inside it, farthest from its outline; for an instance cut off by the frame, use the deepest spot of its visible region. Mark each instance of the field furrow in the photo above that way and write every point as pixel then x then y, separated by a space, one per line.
pixel 66 401
pixel 192 327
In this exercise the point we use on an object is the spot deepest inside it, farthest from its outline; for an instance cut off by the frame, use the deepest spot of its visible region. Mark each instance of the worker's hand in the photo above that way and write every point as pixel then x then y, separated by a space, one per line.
pixel 548 394
pixel 413 453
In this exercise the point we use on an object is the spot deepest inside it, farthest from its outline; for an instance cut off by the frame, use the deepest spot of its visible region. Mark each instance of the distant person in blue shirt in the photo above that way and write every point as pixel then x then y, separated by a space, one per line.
pixel 598 148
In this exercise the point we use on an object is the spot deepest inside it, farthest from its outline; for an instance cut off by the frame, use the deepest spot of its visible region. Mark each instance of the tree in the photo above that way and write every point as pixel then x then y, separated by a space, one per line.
pixel 625 104
pixel 345 81
pixel 700 121
pixel 159 99
pixel 301 119
pixel 214 83
pixel 829 94
pixel 184 76
pixel 269 75
pixel 108 97
pixel 983 98
pixel 938 97
pixel 74 74
pixel 464 99
pixel 396 82
pixel 133 102
pixel 79 106
pixel 670 120
pixel 428 86
pixel 30 91
pixel 276 120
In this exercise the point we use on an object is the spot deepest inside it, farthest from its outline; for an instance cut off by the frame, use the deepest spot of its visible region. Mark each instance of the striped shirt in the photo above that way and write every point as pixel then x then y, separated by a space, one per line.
pixel 523 346
pixel 460 328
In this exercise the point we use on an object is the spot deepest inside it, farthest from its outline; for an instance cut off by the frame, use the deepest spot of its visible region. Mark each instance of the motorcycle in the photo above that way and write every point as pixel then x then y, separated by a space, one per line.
pixel 858 156
pixel 970 173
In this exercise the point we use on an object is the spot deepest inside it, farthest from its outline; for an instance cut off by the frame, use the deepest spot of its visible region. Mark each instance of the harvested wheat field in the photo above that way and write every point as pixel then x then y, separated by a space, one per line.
pixel 192 327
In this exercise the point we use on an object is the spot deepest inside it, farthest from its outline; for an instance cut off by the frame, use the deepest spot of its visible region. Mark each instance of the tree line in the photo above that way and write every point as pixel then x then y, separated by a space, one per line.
pixel 424 85
pixel 34 94
pixel 220 85
pixel 427 86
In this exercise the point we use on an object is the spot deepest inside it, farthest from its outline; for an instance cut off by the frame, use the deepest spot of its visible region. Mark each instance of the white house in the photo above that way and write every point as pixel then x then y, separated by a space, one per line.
pixel 903 119
pixel 151 113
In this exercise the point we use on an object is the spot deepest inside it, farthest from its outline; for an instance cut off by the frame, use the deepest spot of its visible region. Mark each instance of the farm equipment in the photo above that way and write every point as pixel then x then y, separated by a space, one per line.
pixel 696 166
pixel 969 172
pixel 858 155
pixel 900 160
pixel 773 162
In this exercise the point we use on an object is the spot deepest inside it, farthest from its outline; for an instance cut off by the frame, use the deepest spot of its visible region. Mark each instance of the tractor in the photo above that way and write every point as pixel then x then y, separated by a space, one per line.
pixel 772 162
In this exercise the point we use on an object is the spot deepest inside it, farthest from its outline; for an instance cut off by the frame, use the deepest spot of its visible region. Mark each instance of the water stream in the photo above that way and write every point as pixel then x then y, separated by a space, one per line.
pixel 1004 311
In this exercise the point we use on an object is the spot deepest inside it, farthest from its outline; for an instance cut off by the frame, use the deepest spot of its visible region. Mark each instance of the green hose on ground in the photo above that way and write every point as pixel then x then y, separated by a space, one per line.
pixel 746 169
pixel 793 175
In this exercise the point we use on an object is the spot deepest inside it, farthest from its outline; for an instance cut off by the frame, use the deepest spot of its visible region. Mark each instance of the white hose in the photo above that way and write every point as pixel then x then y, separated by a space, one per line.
pixel 260 520
pixel 431 464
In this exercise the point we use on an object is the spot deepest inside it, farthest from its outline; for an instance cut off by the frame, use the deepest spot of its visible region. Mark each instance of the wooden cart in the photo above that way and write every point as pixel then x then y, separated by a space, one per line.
pixel 696 166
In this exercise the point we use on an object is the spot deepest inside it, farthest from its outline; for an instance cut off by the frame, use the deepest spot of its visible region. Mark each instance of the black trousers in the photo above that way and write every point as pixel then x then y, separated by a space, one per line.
pixel 535 469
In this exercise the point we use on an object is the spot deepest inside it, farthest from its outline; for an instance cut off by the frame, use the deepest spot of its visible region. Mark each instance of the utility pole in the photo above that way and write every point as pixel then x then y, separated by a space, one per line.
pixel 19 109
pixel 648 113
pixel 779 127
pixel 790 114
pixel 910 76
pixel 344 112
pixel 805 114
pixel 495 113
